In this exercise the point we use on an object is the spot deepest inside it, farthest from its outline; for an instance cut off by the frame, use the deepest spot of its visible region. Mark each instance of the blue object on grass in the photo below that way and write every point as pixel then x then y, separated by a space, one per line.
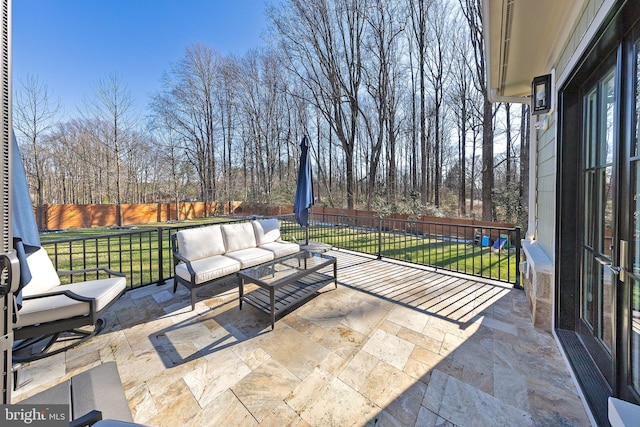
pixel 500 243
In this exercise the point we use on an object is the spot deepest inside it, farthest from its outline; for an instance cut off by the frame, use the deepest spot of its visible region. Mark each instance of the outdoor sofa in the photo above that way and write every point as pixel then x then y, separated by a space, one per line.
pixel 205 255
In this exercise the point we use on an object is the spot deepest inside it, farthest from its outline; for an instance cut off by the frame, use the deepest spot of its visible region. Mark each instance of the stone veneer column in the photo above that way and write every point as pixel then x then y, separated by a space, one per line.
pixel 537 280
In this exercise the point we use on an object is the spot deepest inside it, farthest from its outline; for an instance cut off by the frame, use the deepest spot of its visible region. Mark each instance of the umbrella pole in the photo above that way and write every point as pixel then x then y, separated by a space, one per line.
pixel 307 234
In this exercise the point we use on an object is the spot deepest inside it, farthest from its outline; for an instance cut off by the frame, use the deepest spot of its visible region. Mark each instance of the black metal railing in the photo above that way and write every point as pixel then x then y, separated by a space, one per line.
pixel 145 255
pixel 484 251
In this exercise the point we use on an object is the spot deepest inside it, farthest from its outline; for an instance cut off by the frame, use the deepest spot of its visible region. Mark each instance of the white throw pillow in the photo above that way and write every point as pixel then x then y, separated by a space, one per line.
pixel 202 242
pixel 238 236
pixel 43 274
pixel 267 230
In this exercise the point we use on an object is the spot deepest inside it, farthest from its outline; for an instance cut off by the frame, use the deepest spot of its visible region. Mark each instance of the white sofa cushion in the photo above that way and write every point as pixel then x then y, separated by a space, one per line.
pixel 281 248
pixel 43 275
pixel 238 236
pixel 250 256
pixel 202 242
pixel 208 268
pixel 57 307
pixel 267 231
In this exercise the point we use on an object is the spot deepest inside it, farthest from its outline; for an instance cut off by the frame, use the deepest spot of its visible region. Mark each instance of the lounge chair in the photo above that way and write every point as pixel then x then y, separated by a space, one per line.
pixel 50 309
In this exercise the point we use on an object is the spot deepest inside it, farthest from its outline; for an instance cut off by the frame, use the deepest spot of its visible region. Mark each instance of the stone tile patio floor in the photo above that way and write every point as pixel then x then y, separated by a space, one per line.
pixel 394 345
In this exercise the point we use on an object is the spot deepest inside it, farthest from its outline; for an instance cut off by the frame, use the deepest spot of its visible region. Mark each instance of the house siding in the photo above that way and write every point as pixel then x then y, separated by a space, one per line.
pixel 545 210
pixel 546 188
pixel 581 29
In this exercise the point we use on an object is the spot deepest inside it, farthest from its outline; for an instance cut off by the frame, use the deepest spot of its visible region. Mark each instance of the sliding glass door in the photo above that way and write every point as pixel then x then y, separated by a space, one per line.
pixel 609 234
pixel 599 189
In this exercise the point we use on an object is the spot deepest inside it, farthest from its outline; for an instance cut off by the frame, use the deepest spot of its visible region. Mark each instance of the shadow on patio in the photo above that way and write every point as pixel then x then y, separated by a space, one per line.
pixel 395 344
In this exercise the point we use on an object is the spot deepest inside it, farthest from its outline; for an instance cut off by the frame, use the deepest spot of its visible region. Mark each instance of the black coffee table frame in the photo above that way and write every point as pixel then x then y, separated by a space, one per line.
pixel 295 277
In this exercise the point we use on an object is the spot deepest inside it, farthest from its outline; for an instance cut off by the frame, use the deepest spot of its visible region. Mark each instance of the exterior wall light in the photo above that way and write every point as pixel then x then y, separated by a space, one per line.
pixel 541 94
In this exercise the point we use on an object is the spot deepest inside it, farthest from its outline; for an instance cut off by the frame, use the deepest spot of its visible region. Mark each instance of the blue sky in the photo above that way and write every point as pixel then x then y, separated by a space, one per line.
pixel 70 44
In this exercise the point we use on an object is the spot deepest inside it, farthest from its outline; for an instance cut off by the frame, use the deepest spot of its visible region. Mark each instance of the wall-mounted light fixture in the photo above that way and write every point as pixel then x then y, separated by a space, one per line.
pixel 541 94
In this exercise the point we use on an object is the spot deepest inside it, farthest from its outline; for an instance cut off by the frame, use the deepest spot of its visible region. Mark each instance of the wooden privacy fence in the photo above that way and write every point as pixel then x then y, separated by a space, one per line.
pixel 56 217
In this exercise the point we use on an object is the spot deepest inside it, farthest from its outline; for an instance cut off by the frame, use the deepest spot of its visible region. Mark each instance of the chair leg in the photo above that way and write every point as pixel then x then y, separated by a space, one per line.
pixel 193 299
pixel 15 368
pixel 79 337
pixel 29 342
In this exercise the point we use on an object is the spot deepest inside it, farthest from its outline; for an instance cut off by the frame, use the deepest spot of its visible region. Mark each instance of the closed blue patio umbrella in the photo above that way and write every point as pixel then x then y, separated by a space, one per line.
pixel 26 238
pixel 304 188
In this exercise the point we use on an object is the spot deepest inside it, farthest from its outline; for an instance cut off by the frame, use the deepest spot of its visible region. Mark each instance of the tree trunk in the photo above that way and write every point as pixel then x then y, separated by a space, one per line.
pixel 525 128
pixel 487 162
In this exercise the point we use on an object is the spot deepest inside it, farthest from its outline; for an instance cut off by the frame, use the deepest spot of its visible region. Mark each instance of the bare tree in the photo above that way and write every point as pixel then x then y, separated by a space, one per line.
pixel 386 90
pixel 381 79
pixel 472 10
pixel 461 101
pixel 524 164
pixel 188 92
pixel 438 60
pixel 261 106
pixel 323 43
pixel 142 168
pixel 168 140
pixel 510 171
pixel 112 106
pixel 419 14
pixel 34 115
pixel 226 95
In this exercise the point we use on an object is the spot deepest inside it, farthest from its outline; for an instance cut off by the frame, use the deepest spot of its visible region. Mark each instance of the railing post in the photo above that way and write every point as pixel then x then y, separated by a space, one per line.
pixel 518 248
pixel 160 281
pixel 379 237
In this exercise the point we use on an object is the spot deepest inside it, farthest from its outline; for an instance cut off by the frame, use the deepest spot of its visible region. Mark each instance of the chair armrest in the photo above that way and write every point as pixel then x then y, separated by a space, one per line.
pixel 177 256
pixel 68 293
pixel 289 237
pixel 88 419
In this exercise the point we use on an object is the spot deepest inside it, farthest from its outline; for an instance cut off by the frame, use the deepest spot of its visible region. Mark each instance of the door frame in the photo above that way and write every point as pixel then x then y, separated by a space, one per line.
pixel 604 358
pixel 616 39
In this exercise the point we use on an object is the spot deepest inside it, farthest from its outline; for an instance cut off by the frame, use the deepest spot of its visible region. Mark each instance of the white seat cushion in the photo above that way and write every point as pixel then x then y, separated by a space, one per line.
pixel 202 242
pixel 251 256
pixel 238 236
pixel 57 307
pixel 267 231
pixel 281 248
pixel 208 268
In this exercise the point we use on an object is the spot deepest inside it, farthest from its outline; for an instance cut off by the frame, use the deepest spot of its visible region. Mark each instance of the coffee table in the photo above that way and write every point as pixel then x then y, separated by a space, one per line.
pixel 286 282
